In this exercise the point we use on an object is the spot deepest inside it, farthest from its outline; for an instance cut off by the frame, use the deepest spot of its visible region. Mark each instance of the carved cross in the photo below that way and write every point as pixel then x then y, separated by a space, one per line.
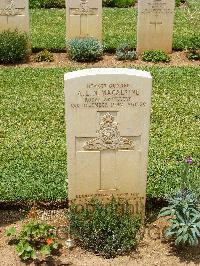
pixel 156 23
pixel 83 12
pixel 108 142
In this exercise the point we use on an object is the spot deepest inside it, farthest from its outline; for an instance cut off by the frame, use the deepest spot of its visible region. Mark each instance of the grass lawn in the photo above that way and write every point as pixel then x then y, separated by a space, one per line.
pixel 33 156
pixel 119 26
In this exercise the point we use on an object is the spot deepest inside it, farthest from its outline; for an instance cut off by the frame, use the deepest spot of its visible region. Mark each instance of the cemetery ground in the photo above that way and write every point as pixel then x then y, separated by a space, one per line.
pixel 34 156
pixel 33 141
pixel 48 28
pixel 153 248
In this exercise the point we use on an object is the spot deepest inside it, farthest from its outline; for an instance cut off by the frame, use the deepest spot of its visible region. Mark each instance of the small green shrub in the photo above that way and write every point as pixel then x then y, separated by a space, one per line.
pixel 118 3
pixel 35 3
pixel 155 56
pixel 13 46
pixel 35 239
pixel 44 56
pixel 85 49
pixel 124 52
pixel 53 4
pixel 47 3
pixel 193 55
pixel 183 213
pixel 108 230
pixel 179 2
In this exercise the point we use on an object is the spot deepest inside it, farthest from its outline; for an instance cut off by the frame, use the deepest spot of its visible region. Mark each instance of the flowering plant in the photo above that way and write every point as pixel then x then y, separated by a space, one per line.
pixel 35 239
pixel 183 213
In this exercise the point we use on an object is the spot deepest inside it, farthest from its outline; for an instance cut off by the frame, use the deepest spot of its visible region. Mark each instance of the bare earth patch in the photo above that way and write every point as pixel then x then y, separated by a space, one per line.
pixel 152 250
pixel 109 60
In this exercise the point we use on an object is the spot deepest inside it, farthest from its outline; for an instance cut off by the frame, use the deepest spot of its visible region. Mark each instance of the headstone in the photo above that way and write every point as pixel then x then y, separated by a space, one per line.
pixel 107 119
pixel 155 25
pixel 84 19
pixel 14 14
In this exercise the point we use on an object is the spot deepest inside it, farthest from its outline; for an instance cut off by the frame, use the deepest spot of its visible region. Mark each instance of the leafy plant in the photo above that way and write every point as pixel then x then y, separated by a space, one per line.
pixel 108 230
pixel 118 3
pixel 47 3
pixel 193 55
pixel 85 49
pixel 53 4
pixel 44 55
pixel 35 3
pixel 14 46
pixel 183 215
pixel 155 56
pixel 35 238
pixel 179 2
pixel 124 52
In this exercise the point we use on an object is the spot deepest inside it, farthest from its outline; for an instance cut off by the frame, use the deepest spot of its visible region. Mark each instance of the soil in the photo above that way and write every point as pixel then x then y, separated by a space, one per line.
pixel 153 248
pixel 109 60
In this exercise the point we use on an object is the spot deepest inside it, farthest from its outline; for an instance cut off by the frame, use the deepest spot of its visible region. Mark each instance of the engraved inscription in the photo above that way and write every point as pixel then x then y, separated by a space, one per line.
pixel 157 7
pixel 108 96
pixel 135 201
pixel 11 10
pixel 108 137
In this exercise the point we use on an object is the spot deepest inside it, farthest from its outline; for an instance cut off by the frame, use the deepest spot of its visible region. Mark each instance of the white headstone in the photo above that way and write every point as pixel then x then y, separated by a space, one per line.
pixel 107 119
pixel 155 25
pixel 14 14
pixel 84 19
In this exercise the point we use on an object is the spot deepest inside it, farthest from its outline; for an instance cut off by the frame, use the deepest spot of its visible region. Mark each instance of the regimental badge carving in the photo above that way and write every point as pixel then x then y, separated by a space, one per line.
pixel 11 9
pixel 84 9
pixel 108 137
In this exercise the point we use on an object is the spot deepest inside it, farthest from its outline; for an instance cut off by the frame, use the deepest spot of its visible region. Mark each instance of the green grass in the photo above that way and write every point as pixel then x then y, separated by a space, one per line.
pixel 33 157
pixel 119 26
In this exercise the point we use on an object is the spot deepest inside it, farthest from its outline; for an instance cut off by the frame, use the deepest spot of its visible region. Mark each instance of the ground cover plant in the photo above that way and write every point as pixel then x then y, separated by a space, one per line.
pixel 155 56
pixel 183 212
pixel 119 3
pixel 193 55
pixel 33 150
pixel 84 49
pixel 35 241
pixel 14 47
pixel 48 28
pixel 47 4
pixel 108 229
pixel 44 56
pixel 124 52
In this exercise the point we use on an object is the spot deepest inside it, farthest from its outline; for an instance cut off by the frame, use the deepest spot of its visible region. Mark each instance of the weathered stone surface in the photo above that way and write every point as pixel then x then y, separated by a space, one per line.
pixel 155 25
pixel 107 119
pixel 84 19
pixel 14 14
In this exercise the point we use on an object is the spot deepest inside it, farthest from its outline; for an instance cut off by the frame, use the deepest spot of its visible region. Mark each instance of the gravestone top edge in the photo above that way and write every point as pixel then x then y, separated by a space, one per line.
pixel 107 71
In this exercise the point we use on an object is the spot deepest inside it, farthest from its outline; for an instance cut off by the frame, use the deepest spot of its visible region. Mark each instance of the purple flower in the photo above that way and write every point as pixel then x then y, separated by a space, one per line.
pixel 189 160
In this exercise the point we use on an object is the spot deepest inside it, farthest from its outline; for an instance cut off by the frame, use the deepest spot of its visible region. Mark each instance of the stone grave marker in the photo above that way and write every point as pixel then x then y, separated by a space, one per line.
pixel 107 119
pixel 155 25
pixel 84 19
pixel 14 14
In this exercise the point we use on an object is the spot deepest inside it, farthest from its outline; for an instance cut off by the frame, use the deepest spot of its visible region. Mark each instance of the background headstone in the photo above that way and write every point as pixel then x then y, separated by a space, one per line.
pixel 84 18
pixel 107 119
pixel 14 14
pixel 155 25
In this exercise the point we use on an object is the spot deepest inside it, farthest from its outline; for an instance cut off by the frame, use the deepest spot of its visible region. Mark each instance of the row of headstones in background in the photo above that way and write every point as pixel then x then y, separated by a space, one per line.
pixel 14 14
pixel 154 29
pixel 84 18
pixel 107 119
